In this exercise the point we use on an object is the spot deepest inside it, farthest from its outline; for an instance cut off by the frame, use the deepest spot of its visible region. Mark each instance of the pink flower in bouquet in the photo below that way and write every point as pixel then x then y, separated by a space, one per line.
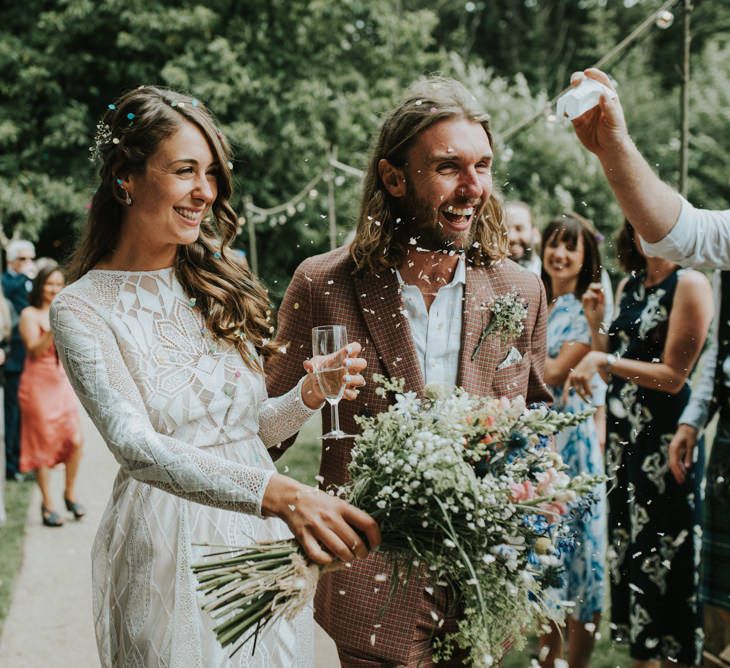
pixel 554 509
pixel 524 491
pixel 546 481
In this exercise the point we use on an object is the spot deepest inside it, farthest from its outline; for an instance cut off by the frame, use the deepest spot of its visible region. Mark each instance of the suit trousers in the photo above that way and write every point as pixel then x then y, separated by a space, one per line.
pixel 420 653
pixel 12 425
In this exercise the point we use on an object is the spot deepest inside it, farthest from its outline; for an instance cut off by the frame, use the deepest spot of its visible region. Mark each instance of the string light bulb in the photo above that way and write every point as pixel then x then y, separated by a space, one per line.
pixel 664 19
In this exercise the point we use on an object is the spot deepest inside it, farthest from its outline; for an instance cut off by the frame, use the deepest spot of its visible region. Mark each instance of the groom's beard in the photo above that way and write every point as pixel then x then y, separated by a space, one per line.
pixel 422 224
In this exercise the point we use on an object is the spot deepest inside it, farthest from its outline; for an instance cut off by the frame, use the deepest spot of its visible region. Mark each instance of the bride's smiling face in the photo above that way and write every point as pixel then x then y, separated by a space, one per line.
pixel 175 191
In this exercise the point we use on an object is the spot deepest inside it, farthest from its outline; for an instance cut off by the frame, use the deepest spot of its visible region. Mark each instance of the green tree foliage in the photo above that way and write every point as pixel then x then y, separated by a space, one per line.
pixel 290 78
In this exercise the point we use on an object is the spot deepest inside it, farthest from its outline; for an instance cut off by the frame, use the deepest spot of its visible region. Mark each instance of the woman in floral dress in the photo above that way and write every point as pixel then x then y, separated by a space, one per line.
pixel 654 523
pixel 570 263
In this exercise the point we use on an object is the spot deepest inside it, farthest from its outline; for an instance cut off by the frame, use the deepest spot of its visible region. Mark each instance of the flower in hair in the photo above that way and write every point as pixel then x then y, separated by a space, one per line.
pixel 102 137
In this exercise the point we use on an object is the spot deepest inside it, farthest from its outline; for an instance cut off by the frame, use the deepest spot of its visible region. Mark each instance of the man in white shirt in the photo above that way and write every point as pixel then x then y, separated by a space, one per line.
pixel 414 287
pixel 668 224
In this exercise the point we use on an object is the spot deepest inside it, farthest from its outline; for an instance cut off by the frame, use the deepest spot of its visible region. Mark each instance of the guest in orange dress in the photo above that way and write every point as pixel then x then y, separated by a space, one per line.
pixel 51 431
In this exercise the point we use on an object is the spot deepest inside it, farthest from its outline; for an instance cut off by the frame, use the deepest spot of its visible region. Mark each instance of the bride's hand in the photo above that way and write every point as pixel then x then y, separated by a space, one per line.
pixel 325 526
pixel 311 392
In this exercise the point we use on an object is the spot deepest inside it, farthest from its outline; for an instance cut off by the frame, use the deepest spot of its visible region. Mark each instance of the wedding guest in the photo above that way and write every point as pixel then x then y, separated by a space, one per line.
pixel 428 257
pixel 16 284
pixel 5 327
pixel 709 396
pixel 654 523
pixel 669 226
pixel 571 261
pixel 162 334
pixel 523 236
pixel 51 429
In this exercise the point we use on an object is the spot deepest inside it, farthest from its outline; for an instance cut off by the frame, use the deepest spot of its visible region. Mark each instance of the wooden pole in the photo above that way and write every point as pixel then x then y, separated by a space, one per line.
pixel 253 252
pixel 684 105
pixel 331 200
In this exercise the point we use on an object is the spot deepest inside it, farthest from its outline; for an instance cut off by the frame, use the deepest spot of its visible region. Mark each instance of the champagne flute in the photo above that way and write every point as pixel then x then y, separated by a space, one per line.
pixel 330 370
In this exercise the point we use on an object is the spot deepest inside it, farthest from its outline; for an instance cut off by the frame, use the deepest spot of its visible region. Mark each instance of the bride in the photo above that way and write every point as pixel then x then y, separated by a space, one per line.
pixel 163 336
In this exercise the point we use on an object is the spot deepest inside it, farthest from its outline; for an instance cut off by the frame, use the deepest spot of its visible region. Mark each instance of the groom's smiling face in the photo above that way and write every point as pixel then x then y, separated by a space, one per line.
pixel 448 181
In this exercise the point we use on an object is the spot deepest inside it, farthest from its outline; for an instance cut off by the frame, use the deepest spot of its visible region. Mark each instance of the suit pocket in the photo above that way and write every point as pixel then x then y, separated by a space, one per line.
pixel 512 381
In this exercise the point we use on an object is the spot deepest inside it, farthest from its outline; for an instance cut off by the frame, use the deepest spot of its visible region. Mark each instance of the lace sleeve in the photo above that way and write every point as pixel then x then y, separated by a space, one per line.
pixel 283 416
pixel 93 361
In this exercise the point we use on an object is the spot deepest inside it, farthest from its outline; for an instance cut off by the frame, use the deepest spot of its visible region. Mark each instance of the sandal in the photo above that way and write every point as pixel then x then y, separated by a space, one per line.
pixel 76 508
pixel 50 518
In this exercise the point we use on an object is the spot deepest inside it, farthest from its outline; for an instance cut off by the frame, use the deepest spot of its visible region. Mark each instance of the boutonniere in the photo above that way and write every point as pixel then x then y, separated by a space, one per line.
pixel 508 319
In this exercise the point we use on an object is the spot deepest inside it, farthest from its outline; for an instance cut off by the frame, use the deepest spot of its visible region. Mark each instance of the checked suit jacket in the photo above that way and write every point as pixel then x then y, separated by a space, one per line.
pixel 349 603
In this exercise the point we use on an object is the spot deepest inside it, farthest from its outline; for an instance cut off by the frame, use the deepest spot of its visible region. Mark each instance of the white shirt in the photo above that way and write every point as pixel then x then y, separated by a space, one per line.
pixel 700 238
pixel 436 331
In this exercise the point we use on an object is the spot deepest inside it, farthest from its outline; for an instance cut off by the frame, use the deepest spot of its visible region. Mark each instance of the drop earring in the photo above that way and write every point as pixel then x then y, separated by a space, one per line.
pixel 127 196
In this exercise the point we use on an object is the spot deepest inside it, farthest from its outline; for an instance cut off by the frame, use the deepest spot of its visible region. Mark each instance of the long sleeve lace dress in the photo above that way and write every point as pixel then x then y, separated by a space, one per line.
pixel 189 424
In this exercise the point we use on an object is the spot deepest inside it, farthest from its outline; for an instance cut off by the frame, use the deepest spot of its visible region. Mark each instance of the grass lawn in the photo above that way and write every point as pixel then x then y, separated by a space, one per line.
pixel 301 461
pixel 17 497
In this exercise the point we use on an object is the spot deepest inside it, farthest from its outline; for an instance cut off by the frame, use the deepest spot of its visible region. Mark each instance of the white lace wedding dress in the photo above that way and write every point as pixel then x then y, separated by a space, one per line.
pixel 188 423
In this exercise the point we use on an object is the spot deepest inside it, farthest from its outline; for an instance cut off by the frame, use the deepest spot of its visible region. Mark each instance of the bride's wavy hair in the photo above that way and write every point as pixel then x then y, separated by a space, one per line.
pixel 233 303
pixel 381 237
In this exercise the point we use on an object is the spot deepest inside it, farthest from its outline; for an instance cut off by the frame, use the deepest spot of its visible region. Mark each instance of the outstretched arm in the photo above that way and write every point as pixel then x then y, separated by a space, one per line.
pixel 651 205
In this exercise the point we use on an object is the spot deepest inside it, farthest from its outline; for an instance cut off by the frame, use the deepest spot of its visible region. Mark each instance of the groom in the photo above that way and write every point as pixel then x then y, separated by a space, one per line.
pixel 414 288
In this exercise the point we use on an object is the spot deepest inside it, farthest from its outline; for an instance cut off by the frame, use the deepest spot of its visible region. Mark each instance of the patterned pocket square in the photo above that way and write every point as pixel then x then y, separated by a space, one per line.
pixel 513 356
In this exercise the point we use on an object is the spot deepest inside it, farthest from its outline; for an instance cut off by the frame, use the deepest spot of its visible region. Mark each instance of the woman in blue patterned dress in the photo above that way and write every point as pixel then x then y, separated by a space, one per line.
pixel 570 263
pixel 654 523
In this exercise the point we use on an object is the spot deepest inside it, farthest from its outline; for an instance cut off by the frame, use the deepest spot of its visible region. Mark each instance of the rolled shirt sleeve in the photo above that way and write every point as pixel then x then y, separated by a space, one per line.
pixel 700 238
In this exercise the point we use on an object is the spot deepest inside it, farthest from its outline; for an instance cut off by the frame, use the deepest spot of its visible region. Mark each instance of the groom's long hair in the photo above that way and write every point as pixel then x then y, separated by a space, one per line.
pixel 382 236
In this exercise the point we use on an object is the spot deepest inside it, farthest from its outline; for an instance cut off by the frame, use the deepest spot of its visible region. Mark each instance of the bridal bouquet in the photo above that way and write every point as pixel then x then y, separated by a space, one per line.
pixel 464 488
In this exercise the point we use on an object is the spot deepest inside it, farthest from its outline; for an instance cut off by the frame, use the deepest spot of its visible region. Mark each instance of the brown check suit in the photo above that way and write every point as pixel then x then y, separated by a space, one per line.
pixel 324 291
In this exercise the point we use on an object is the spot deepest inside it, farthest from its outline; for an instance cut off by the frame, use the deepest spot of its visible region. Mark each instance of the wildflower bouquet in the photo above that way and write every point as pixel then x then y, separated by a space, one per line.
pixel 464 488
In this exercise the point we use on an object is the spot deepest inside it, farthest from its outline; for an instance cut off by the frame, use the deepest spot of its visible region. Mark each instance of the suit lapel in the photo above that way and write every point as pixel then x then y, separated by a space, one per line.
pixel 380 302
pixel 476 376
